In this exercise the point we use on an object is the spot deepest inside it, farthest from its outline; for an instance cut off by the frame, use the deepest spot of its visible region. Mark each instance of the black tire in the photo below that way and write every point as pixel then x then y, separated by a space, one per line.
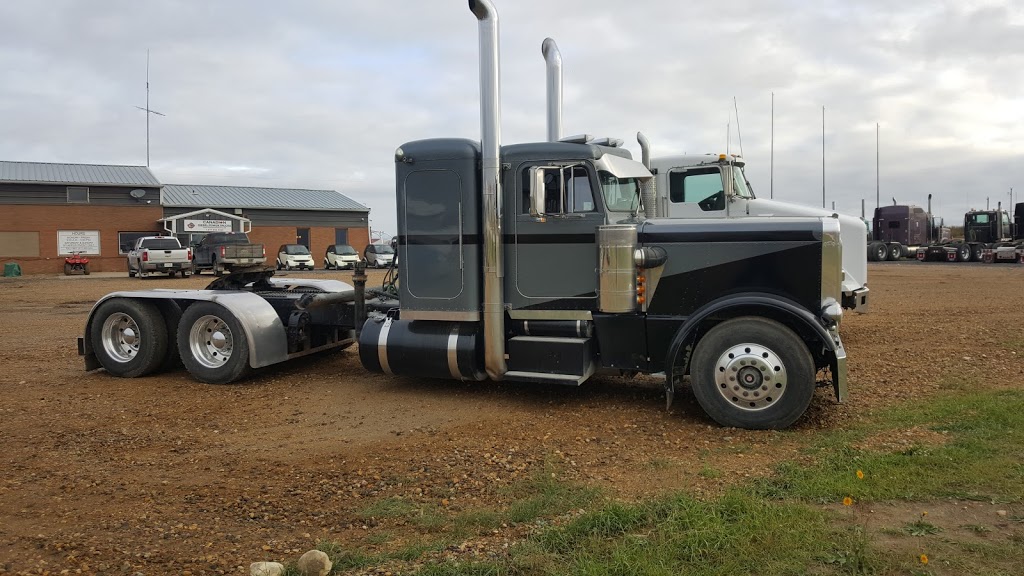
pixel 129 337
pixel 879 252
pixel 217 269
pixel 131 273
pixel 85 269
pixel 976 253
pixel 776 360
pixel 963 253
pixel 171 313
pixel 895 251
pixel 68 270
pixel 219 360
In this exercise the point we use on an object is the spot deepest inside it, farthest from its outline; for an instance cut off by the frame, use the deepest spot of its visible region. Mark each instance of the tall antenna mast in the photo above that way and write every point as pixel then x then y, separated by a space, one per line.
pixel 147 109
pixel 739 135
pixel 822 156
pixel 877 187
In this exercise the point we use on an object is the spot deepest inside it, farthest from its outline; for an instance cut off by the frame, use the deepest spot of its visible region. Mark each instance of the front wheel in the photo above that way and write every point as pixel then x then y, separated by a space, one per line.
pixel 212 344
pixel 68 269
pixel 129 337
pixel 752 372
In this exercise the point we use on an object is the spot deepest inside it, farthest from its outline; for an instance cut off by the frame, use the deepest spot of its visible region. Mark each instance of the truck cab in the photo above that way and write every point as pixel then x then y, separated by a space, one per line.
pixel 714 186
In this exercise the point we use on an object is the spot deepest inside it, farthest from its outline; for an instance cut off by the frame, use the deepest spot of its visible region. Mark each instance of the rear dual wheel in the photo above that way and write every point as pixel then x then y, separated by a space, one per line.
pixel 212 344
pixel 129 337
pixel 754 373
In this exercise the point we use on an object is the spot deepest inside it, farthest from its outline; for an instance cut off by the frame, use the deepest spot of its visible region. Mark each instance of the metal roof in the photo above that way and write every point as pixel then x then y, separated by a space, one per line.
pixel 185 195
pixel 85 174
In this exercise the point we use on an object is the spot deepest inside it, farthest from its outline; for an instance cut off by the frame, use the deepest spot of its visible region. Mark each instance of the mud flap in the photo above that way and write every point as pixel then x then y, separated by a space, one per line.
pixel 670 391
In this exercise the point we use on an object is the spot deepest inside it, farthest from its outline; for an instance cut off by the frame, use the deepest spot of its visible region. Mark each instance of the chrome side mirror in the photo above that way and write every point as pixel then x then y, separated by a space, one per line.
pixel 537 192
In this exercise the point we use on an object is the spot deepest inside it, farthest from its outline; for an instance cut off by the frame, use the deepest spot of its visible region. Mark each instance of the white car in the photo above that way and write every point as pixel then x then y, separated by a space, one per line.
pixel 291 256
pixel 378 255
pixel 340 256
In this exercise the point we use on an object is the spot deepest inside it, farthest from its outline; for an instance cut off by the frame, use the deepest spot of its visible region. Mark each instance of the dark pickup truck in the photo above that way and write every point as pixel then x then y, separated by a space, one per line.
pixel 223 251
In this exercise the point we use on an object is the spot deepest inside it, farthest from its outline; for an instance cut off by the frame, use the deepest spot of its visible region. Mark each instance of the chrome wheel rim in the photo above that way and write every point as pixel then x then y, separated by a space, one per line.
pixel 121 337
pixel 211 341
pixel 751 377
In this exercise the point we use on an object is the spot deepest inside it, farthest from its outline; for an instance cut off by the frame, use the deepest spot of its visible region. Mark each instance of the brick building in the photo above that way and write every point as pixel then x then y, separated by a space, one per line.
pixel 314 218
pixel 48 211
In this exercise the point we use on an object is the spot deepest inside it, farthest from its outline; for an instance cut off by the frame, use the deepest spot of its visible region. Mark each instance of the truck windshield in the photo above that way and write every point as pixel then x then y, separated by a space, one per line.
pixel 161 244
pixel 978 218
pixel 740 188
pixel 298 250
pixel 620 194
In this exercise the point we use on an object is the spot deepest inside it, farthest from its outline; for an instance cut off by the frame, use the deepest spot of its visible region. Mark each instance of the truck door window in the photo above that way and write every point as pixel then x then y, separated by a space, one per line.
pixel 702 186
pixel 567 190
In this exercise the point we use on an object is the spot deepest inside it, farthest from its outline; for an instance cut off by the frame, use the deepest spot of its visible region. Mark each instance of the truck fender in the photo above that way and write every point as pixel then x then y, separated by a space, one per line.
pixel 785 311
pixel 264 332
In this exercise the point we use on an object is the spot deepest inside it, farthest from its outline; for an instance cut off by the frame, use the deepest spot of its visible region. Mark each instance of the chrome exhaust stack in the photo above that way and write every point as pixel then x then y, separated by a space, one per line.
pixel 553 59
pixel 648 188
pixel 490 186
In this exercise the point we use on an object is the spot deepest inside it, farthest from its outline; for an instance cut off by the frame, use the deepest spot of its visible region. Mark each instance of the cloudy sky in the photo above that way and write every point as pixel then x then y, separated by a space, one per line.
pixel 319 93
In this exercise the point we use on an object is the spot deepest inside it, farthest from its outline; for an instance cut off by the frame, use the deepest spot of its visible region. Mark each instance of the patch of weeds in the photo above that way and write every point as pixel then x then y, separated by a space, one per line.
pixel 378 538
pixel 342 559
pixel 708 472
pixel 477 521
pixel 852 555
pixel 983 443
pixel 659 464
pixel 921 528
pixel 544 495
pixel 428 519
pixel 392 507
pixel 978 529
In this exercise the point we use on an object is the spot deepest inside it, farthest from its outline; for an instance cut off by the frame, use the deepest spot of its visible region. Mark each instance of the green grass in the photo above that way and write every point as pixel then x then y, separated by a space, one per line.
pixel 775 526
pixel 980 460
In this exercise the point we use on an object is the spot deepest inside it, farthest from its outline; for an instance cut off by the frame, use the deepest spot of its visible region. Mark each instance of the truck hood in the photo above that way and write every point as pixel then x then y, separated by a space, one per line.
pixel 851 230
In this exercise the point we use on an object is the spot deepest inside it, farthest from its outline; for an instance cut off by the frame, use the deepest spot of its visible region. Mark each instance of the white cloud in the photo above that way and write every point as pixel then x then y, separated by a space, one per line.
pixel 319 93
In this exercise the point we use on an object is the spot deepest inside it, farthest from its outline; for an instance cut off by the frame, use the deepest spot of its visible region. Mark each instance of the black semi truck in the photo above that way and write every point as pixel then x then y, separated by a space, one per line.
pixel 529 263
pixel 899 230
pixel 984 230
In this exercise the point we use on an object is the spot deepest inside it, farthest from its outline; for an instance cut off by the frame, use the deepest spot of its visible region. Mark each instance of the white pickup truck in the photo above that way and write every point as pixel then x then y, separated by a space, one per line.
pixel 159 254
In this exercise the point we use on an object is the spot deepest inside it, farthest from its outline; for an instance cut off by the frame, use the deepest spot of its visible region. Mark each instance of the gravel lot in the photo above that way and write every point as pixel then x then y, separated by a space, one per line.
pixel 166 475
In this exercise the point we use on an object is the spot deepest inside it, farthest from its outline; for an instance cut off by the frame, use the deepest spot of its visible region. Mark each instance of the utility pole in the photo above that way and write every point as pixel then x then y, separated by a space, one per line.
pixel 822 156
pixel 771 173
pixel 878 201
pixel 147 110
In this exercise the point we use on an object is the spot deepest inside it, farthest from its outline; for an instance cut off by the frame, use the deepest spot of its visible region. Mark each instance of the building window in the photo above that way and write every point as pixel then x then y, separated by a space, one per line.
pixel 126 240
pixel 302 236
pixel 341 235
pixel 78 194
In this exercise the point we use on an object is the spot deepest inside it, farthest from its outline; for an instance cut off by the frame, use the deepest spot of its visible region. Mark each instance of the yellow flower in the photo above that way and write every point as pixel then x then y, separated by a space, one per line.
pixel 847 501
pixel 860 475
pixel 924 513
pixel 924 558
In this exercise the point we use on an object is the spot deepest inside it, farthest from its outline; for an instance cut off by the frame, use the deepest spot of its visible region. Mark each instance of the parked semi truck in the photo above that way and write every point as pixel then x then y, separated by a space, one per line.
pixel 983 230
pixel 530 263
pixel 714 187
pixel 899 230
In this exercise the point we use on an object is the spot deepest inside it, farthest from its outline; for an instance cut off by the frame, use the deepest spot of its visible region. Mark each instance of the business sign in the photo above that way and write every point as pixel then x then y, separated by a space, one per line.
pixel 206 226
pixel 82 241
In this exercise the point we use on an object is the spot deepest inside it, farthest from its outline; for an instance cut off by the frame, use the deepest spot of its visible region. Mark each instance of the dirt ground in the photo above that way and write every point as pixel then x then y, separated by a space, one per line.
pixel 165 475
